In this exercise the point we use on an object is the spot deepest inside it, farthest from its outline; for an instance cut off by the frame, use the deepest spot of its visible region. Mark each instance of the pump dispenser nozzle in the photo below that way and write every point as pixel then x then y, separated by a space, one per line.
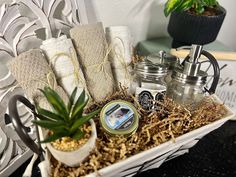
pixel 195 53
pixel 191 64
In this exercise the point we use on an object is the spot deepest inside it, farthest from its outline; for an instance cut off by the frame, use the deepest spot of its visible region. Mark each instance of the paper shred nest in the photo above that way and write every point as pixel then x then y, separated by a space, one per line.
pixel 166 122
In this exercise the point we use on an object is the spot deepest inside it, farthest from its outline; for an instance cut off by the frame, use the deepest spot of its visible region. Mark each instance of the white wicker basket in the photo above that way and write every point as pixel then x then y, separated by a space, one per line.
pixel 154 157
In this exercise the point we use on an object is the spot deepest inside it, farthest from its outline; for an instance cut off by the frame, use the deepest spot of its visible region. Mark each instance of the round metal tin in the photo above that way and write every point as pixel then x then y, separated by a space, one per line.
pixel 119 117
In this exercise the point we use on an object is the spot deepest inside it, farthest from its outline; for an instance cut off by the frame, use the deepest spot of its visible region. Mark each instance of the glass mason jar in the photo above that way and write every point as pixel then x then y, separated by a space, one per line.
pixel 186 90
pixel 150 85
pixel 167 59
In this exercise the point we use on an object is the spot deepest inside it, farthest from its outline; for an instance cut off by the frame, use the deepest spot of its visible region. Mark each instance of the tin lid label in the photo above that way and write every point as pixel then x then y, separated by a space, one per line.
pixel 119 117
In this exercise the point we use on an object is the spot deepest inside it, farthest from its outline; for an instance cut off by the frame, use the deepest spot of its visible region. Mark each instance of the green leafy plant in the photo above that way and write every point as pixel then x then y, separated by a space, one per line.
pixel 64 120
pixel 198 6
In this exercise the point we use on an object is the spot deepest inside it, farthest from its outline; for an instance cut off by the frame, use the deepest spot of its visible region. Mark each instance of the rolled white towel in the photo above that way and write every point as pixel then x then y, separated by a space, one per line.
pixel 120 41
pixel 63 59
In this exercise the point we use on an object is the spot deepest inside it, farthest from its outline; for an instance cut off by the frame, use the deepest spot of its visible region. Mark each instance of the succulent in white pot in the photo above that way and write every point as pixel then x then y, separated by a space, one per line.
pixel 71 133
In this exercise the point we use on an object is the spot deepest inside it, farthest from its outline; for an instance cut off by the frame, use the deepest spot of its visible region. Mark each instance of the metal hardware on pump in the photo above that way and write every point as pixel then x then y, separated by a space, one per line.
pixel 188 82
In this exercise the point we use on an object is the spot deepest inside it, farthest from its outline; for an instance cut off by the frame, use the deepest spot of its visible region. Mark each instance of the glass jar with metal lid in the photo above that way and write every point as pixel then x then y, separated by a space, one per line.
pixel 186 89
pixel 150 83
pixel 163 58
pixel 188 85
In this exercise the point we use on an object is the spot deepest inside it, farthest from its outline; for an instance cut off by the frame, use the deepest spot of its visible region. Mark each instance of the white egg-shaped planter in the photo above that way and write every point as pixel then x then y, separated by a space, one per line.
pixel 74 158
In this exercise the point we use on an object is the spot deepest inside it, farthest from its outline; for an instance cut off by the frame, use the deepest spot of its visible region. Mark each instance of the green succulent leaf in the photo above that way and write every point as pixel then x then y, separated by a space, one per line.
pixel 78 123
pixel 48 114
pixel 72 98
pixel 55 100
pixel 78 135
pixel 171 5
pixel 42 117
pixel 51 125
pixel 64 120
pixel 79 105
pixel 79 111
pixel 54 137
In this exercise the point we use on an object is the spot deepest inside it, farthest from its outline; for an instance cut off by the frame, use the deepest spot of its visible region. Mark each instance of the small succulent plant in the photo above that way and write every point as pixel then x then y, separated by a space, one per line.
pixel 198 6
pixel 64 120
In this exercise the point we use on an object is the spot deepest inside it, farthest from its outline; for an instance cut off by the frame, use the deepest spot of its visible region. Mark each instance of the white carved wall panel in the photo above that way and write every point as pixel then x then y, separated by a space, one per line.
pixel 22 25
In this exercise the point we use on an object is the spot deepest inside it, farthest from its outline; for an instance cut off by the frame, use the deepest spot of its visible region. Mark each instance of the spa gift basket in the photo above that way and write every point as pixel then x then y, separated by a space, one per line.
pixel 94 107
pixel 132 130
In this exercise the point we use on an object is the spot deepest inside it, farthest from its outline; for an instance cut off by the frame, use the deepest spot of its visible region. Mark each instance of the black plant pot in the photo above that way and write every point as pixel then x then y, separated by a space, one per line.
pixel 187 29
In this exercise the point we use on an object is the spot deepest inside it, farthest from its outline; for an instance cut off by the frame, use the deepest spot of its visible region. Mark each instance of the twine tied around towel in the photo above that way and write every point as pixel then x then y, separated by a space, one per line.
pixel 122 59
pixel 111 48
pixel 50 77
pixel 101 66
pixel 73 58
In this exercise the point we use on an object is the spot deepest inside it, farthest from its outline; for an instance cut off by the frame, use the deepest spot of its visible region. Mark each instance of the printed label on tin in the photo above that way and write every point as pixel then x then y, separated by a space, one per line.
pixel 146 97
pixel 119 117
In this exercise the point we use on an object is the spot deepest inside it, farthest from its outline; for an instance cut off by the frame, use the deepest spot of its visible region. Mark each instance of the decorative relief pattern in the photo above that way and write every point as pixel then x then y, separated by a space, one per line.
pixel 21 24
pixel 14 28
pixel 54 16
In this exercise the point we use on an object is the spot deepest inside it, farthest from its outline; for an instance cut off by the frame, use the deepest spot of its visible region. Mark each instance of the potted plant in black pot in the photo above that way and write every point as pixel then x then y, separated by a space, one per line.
pixel 194 21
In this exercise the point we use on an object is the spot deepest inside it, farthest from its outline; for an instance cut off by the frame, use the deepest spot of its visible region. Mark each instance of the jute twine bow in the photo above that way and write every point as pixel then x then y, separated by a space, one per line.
pixel 122 60
pixel 101 66
pixel 50 77
pixel 73 58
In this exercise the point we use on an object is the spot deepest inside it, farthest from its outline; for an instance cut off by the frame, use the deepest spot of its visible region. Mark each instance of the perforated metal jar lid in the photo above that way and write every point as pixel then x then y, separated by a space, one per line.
pixel 163 58
pixel 148 68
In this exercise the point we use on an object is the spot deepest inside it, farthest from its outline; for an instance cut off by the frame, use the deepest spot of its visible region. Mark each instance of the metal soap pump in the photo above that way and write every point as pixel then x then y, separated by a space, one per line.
pixel 188 82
